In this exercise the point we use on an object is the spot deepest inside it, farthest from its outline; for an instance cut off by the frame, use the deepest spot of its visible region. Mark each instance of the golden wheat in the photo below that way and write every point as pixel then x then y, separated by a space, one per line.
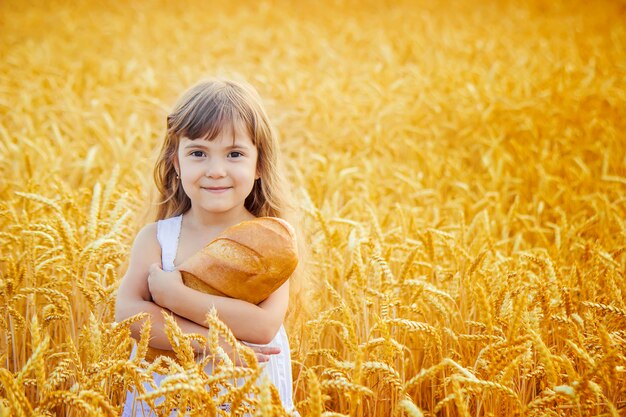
pixel 460 170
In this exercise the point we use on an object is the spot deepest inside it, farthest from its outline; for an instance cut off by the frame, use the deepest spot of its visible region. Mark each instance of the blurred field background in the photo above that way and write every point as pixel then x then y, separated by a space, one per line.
pixel 460 166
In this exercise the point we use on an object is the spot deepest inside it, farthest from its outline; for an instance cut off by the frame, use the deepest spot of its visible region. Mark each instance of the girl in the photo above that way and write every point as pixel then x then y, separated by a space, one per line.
pixel 218 166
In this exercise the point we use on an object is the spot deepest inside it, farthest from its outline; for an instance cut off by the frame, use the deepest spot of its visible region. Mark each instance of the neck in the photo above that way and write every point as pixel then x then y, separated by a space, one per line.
pixel 198 218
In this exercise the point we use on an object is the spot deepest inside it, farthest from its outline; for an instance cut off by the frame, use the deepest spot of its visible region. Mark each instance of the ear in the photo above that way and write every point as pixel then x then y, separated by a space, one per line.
pixel 257 171
pixel 176 164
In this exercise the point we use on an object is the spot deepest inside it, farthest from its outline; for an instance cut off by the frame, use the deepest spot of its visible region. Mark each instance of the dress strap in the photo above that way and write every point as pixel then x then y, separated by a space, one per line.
pixel 168 232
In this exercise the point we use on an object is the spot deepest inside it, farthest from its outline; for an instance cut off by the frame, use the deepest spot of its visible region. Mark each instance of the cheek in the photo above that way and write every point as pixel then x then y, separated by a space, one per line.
pixel 190 171
pixel 243 170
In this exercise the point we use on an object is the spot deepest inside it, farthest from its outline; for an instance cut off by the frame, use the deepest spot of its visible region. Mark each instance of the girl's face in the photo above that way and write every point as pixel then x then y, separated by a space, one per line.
pixel 218 175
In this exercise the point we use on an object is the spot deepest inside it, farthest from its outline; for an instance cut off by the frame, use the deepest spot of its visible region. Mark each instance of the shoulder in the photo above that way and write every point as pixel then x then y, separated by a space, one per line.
pixel 151 230
pixel 147 235
pixel 159 232
pixel 146 249
pixel 146 241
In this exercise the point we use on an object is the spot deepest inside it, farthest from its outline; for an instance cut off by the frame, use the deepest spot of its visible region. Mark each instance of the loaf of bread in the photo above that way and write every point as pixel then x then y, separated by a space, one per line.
pixel 248 261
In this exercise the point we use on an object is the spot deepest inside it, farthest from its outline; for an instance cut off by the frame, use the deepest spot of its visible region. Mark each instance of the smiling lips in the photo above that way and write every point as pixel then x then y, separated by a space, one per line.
pixel 216 189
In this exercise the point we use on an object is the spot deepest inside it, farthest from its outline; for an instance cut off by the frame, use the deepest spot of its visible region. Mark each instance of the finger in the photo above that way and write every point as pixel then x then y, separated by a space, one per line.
pixel 262 349
pixel 262 358
pixel 270 350
pixel 154 268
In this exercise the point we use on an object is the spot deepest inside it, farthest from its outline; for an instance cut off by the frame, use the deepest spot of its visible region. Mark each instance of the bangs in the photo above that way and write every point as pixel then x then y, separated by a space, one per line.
pixel 205 116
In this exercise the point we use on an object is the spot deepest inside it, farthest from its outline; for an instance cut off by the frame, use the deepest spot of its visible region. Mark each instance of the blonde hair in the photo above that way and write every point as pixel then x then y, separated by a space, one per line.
pixel 202 112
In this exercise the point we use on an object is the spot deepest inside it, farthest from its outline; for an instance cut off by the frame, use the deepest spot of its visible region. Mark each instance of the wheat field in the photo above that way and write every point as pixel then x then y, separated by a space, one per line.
pixel 459 167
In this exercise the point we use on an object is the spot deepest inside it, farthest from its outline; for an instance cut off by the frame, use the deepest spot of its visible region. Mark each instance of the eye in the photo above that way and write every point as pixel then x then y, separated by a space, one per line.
pixel 235 154
pixel 197 154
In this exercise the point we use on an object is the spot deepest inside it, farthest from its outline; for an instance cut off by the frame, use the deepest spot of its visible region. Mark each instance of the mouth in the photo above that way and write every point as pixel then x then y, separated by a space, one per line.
pixel 216 189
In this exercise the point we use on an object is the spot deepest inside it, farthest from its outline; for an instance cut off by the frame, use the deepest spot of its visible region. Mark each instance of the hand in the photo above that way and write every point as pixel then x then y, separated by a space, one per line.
pixel 262 353
pixel 162 283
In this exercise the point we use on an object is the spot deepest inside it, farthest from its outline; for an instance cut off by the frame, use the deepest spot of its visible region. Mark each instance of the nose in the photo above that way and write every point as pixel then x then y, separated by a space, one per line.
pixel 215 169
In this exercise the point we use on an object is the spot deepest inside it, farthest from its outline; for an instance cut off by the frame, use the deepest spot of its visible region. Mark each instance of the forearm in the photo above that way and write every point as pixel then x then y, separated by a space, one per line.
pixel 247 321
pixel 158 337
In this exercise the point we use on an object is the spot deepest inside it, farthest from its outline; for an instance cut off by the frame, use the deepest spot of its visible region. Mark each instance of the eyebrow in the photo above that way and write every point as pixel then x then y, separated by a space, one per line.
pixel 195 144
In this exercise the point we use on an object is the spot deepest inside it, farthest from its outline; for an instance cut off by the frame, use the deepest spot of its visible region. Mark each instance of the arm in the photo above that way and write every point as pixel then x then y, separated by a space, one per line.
pixel 158 338
pixel 252 323
pixel 133 296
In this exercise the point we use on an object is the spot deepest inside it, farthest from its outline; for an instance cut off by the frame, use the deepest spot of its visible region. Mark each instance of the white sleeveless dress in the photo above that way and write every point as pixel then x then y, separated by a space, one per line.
pixel 278 368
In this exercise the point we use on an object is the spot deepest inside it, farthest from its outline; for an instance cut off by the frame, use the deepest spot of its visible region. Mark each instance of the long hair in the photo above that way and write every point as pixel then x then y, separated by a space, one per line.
pixel 203 112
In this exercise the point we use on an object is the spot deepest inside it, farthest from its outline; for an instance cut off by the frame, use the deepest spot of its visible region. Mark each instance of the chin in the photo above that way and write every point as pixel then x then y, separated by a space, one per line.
pixel 218 209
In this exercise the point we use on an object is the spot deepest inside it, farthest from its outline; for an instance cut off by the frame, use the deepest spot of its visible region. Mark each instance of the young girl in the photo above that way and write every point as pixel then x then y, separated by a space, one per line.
pixel 218 166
